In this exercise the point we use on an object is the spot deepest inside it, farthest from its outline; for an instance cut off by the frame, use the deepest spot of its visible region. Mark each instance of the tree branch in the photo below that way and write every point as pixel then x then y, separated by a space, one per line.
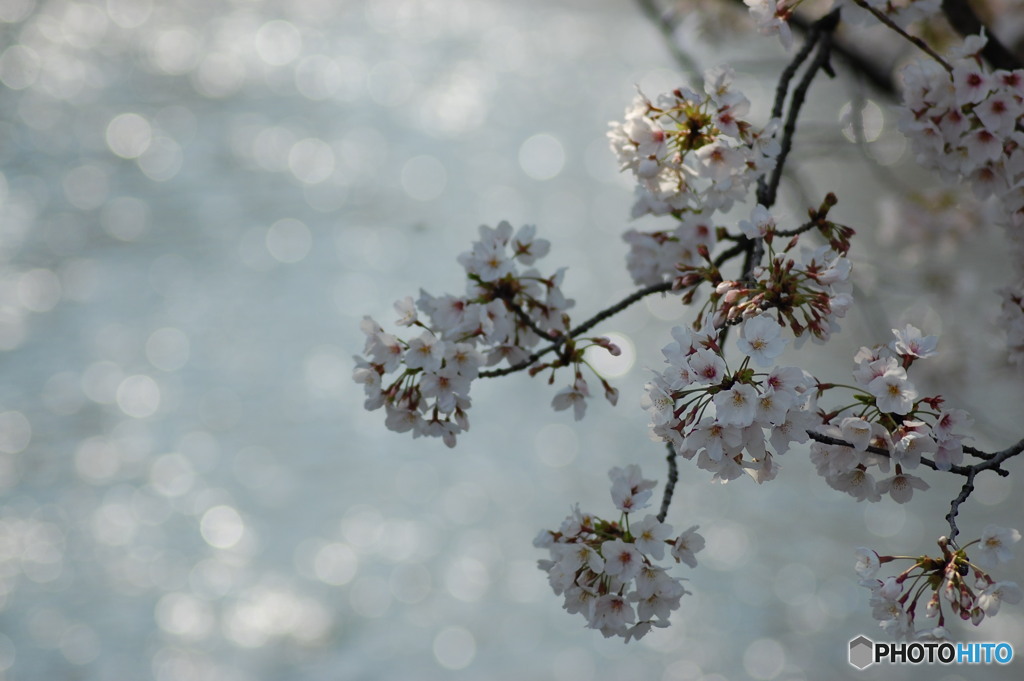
pixel 661 287
pixel 954 507
pixel 829 440
pixel 914 40
pixel 521 314
pixel 670 484
pixel 860 64
pixel 991 462
pixel 766 191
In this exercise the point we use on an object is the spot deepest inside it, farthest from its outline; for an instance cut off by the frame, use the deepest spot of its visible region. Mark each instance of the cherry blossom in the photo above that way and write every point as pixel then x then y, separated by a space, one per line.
pixel 772 17
pixel 574 396
pixel 761 340
pixel 686 546
pixel 630 491
pixel 998 593
pixel 893 393
pixel 995 544
pixel 868 562
pixel 607 571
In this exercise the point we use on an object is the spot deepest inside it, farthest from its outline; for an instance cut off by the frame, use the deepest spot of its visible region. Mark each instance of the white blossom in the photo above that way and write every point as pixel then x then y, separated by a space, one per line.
pixel 995 544
pixel 687 545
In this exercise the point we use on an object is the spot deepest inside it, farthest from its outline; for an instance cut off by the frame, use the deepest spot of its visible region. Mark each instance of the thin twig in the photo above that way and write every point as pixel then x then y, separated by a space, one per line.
pixel 528 321
pixel 755 251
pixel 767 191
pixel 806 227
pixel 581 329
pixel 977 453
pixel 829 440
pixel 782 89
pixel 917 42
pixel 860 64
pixel 732 252
pixel 992 461
pixel 997 458
pixel 670 484
pixel 954 507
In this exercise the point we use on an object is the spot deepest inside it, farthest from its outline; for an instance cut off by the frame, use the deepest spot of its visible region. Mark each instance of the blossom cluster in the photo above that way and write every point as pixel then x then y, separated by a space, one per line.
pixel 607 571
pixel 891 427
pixel 810 290
pixel 953 580
pixel 965 124
pixel 690 151
pixel 968 123
pixel 657 256
pixel 750 408
pixel 503 314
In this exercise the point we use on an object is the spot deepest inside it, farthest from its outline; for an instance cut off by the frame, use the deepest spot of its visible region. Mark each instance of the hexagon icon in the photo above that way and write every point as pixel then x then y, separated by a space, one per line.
pixel 862 652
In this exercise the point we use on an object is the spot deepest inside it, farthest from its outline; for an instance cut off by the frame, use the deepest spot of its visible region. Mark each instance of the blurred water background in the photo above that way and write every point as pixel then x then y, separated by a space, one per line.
pixel 198 203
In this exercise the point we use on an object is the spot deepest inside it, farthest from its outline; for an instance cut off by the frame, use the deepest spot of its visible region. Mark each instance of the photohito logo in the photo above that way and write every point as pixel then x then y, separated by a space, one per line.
pixel 864 652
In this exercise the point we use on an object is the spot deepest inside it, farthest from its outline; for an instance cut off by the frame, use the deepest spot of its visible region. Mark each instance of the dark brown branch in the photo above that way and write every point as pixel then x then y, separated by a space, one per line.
pixel 977 453
pixel 766 191
pixel 782 89
pixel 992 462
pixel 874 73
pixel 755 251
pixel 820 36
pixel 521 314
pixel 670 484
pixel 954 507
pixel 965 21
pixel 806 227
pixel 913 39
pixel 862 65
pixel 829 440
pixel 581 329
pixel 732 252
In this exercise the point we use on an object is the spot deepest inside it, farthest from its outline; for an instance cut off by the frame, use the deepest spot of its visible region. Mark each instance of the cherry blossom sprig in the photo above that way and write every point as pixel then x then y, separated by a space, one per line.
pixel 964 122
pixel 608 571
pixel 503 313
pixel 725 416
pixel 694 155
pixel 808 292
pixel 932 585
pixel 888 416
pixel 692 152
pixel 968 125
